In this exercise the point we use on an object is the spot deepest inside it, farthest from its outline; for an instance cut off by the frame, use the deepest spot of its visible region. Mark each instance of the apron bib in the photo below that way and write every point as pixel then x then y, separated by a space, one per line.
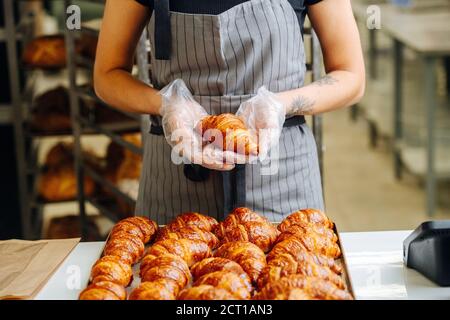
pixel 224 59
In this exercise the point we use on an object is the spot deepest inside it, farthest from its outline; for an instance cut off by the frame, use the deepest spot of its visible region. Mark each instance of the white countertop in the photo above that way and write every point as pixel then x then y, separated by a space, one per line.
pixel 375 261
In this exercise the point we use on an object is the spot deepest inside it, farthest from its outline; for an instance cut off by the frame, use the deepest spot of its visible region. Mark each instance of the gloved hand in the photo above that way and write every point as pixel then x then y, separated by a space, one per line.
pixel 264 114
pixel 180 115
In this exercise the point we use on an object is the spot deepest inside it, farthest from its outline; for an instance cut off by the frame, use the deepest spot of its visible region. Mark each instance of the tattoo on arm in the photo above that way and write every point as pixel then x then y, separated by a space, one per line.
pixel 326 81
pixel 301 106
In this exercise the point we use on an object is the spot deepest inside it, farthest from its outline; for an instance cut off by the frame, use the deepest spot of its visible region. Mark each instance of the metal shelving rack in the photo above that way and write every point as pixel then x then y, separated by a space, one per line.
pixel 80 124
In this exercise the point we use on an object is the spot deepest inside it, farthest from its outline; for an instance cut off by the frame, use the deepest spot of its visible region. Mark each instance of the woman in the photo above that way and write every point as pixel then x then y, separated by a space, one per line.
pixel 217 57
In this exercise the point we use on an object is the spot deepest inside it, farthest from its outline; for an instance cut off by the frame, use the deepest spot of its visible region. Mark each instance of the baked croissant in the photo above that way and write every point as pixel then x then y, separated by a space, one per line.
pixel 191 251
pixel 312 241
pixel 297 250
pixel 240 215
pixel 113 269
pixel 103 290
pixel 227 280
pixel 205 292
pixel 214 264
pixel 309 216
pixel 249 256
pixel 234 134
pixel 262 234
pixel 301 226
pixel 167 266
pixel 161 289
pixel 141 227
pixel 313 287
pixel 285 264
pixel 191 233
pixel 192 219
pixel 125 246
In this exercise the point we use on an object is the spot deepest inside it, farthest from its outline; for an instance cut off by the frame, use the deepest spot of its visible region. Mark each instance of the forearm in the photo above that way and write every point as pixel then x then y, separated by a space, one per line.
pixel 336 90
pixel 121 90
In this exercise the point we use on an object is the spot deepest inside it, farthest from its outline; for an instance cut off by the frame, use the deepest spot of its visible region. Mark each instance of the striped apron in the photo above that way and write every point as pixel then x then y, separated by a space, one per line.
pixel 224 59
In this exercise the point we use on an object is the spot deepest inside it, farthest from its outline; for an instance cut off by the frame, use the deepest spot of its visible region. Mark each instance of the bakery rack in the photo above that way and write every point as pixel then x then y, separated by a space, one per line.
pixel 80 124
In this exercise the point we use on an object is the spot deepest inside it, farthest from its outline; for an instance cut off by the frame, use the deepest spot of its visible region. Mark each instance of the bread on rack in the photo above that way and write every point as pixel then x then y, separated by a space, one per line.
pixel 214 264
pixel 169 267
pixel 190 232
pixel 112 269
pixel 45 52
pixel 306 216
pixel 262 234
pixel 297 250
pixel 248 255
pixel 125 246
pixel 227 280
pixel 192 219
pixel 160 289
pixel 191 251
pixel 235 136
pixel 103 290
pixel 304 287
pixel 205 292
pixel 285 265
pixel 141 227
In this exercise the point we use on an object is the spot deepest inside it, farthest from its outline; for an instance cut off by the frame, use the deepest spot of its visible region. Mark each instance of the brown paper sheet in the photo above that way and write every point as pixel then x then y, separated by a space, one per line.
pixel 25 266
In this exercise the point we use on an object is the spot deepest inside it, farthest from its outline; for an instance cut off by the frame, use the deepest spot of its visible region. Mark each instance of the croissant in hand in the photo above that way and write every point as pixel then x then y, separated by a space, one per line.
pixel 205 292
pixel 191 251
pixel 214 264
pixel 189 232
pixel 161 289
pixel 249 256
pixel 192 219
pixel 103 290
pixel 235 136
pixel 113 269
pixel 169 267
pixel 312 287
pixel 262 234
pixel 227 280
pixel 308 216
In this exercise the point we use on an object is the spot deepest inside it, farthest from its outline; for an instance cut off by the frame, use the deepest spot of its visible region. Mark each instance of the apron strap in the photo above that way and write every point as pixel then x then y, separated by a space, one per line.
pixel 163 34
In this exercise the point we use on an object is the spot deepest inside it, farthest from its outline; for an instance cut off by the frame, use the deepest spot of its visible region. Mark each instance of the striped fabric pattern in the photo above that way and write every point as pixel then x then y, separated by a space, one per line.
pixel 224 59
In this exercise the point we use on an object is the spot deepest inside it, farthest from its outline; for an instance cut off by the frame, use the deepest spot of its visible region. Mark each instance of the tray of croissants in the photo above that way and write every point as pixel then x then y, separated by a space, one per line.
pixel 243 257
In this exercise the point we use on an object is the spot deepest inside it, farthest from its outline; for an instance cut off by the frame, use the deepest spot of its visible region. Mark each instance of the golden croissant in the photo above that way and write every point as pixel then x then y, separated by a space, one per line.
pixel 168 267
pixel 262 234
pixel 214 264
pixel 127 247
pixel 191 251
pixel 313 288
pixel 297 250
pixel 192 219
pixel 103 290
pixel 161 289
pixel 234 134
pixel 227 280
pixel 249 256
pixel 190 232
pixel 205 292
pixel 285 264
pixel 312 241
pixel 141 227
pixel 308 216
pixel 113 269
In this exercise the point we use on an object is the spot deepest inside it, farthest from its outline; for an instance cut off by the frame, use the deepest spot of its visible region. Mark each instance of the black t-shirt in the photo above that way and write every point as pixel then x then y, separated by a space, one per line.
pixel 219 6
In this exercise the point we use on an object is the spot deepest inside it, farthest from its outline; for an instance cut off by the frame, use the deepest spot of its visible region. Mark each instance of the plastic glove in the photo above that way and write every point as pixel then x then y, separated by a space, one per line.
pixel 180 115
pixel 264 114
